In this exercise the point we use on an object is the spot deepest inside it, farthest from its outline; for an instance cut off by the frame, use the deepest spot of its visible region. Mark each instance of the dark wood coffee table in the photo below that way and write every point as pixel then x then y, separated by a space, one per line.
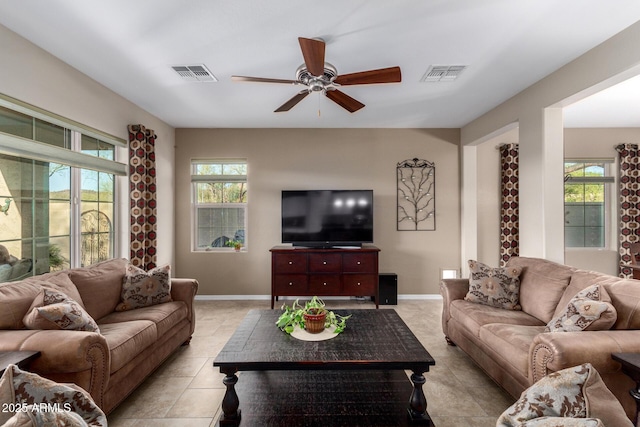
pixel 19 358
pixel 375 340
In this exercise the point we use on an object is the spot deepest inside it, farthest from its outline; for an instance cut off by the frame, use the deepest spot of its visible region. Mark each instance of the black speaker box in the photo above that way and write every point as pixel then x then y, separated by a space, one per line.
pixel 388 288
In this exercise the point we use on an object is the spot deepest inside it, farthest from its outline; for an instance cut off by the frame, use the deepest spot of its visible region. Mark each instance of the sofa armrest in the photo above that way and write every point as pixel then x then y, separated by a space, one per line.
pixel 71 356
pixel 553 351
pixel 451 289
pixel 185 290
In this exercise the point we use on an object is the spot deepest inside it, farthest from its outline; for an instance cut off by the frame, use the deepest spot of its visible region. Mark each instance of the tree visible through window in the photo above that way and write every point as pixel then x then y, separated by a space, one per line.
pixel 586 203
pixel 220 201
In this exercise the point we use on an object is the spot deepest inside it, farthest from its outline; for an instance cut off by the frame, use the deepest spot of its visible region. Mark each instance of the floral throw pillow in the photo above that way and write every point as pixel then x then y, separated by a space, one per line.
pixel 585 311
pixel 68 404
pixel 143 289
pixel 577 392
pixel 52 309
pixel 497 287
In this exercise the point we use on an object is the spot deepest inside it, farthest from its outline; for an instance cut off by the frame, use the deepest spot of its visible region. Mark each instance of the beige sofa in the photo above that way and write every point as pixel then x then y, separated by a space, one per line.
pixel 511 345
pixel 130 345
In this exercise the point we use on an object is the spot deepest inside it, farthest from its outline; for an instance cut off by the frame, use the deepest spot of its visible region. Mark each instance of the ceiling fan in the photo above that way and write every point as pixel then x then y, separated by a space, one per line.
pixel 320 76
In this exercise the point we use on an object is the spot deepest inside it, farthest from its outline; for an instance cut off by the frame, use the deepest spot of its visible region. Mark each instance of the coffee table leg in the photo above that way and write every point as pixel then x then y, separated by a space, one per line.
pixel 418 402
pixel 230 402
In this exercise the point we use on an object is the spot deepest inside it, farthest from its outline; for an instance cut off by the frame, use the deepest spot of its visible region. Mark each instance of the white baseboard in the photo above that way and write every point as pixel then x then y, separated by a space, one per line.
pixel 268 297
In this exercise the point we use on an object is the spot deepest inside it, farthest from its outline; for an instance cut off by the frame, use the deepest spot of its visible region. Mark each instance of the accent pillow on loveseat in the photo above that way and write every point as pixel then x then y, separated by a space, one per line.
pixel 143 289
pixel 589 310
pixel 576 392
pixel 496 287
pixel 52 309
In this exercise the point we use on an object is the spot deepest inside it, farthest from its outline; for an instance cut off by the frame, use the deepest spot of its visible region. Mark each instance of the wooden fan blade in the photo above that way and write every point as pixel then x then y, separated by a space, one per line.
pixel 292 102
pixel 262 80
pixel 344 100
pixel 313 53
pixel 383 75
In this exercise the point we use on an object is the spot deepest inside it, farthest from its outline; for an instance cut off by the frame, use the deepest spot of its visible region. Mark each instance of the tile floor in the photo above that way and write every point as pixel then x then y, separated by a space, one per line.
pixel 187 390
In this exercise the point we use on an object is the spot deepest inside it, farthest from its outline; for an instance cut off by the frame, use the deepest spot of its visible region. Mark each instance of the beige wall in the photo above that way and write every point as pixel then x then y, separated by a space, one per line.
pixel 31 75
pixel 281 159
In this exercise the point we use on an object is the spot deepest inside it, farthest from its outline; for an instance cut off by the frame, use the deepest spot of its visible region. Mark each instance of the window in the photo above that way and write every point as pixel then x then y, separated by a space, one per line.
pixel 57 185
pixel 587 203
pixel 220 202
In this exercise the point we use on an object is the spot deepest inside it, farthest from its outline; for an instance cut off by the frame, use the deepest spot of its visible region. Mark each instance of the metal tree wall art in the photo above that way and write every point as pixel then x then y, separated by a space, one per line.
pixel 416 195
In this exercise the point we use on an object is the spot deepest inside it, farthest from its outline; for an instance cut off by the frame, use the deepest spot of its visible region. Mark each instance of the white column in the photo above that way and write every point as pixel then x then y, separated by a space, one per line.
pixel 469 214
pixel 542 184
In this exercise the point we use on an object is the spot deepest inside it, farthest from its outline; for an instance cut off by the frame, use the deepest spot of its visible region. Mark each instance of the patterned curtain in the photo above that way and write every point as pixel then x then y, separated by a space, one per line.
pixel 629 190
pixel 509 203
pixel 142 193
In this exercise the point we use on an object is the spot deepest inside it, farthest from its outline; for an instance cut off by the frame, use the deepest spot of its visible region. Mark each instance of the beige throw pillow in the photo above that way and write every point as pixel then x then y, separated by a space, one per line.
pixel 52 309
pixel 576 392
pixel 143 289
pixel 586 311
pixel 497 287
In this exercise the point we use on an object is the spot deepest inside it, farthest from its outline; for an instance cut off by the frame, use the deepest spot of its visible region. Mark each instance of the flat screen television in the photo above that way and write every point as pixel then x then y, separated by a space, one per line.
pixel 327 218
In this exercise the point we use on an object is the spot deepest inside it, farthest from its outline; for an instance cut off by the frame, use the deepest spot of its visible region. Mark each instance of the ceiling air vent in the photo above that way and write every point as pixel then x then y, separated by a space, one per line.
pixel 443 73
pixel 194 73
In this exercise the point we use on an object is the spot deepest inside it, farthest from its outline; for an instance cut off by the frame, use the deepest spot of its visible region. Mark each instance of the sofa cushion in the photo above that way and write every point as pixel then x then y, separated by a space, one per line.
pixel 16 297
pixel 52 309
pixel 626 300
pixel 61 281
pixel 587 310
pixel 473 316
pixel 100 285
pixel 542 284
pixel 165 316
pixel 143 289
pixel 128 339
pixel 15 300
pixel 576 392
pixel 496 287
pixel 511 342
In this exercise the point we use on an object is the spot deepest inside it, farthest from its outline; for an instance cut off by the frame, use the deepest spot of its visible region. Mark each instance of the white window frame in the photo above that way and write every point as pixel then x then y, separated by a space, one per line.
pixel 16 146
pixel 610 194
pixel 195 206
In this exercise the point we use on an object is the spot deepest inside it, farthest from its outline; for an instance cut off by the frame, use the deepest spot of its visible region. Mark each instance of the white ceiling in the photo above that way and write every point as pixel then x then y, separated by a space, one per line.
pixel 129 46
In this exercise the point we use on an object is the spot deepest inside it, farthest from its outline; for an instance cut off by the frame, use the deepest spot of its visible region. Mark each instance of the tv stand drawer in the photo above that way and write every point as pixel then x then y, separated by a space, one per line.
pixel 324 284
pixel 359 263
pixel 290 263
pixel 325 263
pixel 290 284
pixel 360 284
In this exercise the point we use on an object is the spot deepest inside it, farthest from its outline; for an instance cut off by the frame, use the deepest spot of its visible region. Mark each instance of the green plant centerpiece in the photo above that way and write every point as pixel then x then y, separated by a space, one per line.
pixel 235 244
pixel 313 317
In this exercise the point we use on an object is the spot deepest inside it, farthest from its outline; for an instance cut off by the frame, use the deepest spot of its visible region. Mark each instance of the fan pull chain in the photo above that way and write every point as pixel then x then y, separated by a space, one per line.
pixel 318 106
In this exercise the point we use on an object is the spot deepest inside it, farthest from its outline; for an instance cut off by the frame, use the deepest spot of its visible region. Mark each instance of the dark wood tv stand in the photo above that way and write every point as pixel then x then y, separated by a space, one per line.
pixel 298 271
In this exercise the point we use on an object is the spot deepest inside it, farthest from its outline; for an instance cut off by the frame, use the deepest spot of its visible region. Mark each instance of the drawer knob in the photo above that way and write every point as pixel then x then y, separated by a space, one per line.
pixel 290 262
pixel 358 283
pixel 358 263
pixel 324 262
pixel 290 283
pixel 325 283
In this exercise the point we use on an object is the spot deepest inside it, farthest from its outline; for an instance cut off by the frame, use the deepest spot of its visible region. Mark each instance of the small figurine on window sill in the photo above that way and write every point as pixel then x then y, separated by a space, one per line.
pixel 5 207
